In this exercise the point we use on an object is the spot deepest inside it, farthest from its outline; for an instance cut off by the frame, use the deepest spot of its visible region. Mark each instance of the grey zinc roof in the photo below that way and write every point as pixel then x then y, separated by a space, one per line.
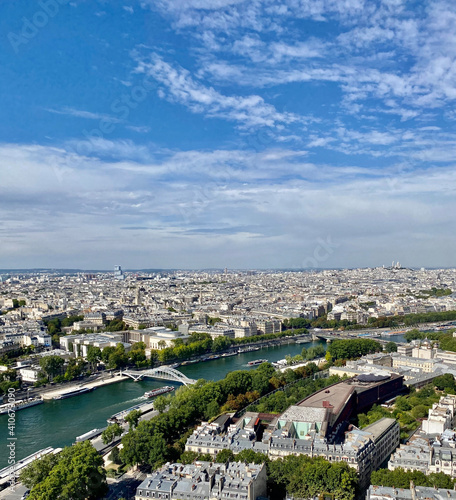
pixel 304 414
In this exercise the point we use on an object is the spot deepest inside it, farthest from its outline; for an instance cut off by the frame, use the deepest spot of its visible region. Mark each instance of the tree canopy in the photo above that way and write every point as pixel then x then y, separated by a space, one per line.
pixel 76 472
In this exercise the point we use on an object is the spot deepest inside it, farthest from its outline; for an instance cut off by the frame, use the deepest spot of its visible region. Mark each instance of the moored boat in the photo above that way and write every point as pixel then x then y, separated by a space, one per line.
pixel 73 392
pixel 257 362
pixel 20 404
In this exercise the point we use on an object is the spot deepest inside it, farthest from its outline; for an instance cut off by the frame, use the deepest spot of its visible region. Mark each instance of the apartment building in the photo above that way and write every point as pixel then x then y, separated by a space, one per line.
pixel 205 480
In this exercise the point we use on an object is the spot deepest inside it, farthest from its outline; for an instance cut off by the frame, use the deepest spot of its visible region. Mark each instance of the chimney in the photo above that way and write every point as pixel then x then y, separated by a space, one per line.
pixel 413 491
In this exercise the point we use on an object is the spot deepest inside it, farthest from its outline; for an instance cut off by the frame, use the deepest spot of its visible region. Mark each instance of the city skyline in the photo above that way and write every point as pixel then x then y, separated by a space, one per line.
pixel 227 133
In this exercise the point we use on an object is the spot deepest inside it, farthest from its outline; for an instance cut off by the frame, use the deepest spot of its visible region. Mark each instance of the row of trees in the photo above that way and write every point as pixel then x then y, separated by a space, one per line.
pixel 279 401
pixel 381 322
pixel 352 348
pixel 399 478
pixel 407 409
pixel 306 355
pixel 412 319
pixel 202 343
pixel 321 322
pixel 53 369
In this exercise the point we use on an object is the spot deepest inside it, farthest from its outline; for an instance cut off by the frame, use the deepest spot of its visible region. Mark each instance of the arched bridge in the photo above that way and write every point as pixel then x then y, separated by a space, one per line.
pixel 162 373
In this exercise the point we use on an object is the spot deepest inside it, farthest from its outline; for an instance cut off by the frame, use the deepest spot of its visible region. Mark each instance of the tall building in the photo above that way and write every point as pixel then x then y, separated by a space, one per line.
pixel 118 273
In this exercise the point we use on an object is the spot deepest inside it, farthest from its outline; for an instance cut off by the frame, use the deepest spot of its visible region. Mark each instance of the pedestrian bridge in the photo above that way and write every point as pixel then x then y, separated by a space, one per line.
pixel 162 373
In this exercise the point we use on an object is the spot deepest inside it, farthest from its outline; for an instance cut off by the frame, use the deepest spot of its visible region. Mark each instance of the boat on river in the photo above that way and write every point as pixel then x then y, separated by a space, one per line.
pixel 229 354
pixel 248 349
pixel 73 392
pixel 257 362
pixel 120 416
pixel 158 392
pixel 20 404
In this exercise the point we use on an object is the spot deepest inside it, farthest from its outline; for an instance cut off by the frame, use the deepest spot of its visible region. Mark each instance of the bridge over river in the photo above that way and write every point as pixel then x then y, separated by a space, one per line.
pixel 329 337
pixel 161 373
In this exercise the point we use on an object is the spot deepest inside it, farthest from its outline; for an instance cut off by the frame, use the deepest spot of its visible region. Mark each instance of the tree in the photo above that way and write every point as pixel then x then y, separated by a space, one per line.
pixel 261 377
pixel 353 348
pixel 133 418
pixel 221 343
pixel 224 456
pixel 111 432
pixel 78 473
pixel 400 478
pixel 38 470
pixel 419 411
pixel 106 353
pixel 52 365
pixel 93 355
pixel 251 457
pixel 160 404
pixel 114 456
pixel 444 381
pixel 75 368
pixel 391 347
pixel 305 477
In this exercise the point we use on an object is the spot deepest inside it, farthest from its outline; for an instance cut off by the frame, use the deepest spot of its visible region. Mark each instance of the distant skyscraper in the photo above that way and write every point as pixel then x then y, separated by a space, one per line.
pixel 118 273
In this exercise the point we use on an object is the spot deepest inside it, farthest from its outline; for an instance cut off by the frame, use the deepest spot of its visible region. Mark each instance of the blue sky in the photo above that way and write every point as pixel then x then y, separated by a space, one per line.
pixel 213 133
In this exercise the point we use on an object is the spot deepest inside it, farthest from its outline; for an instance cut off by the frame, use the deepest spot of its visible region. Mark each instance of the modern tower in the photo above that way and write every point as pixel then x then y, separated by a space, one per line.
pixel 118 273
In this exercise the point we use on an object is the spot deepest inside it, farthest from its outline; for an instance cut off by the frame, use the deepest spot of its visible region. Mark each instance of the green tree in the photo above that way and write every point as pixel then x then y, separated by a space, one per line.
pixel 114 456
pixel 75 368
pixel 224 456
pixel 444 381
pixel 93 355
pixel 78 473
pixel 52 365
pixel 111 432
pixel 160 404
pixel 391 347
pixel 38 470
pixel 419 411
pixel 251 457
pixel 106 353
pixel 221 343
pixel 133 418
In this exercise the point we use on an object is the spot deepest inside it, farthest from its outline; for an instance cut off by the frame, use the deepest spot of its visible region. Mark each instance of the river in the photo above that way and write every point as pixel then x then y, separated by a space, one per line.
pixel 57 423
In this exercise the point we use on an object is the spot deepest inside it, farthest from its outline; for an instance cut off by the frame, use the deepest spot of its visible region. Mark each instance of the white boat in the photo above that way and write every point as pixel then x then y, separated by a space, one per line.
pixel 73 392
pixel 119 417
pixel 248 349
pixel 20 404
pixel 88 435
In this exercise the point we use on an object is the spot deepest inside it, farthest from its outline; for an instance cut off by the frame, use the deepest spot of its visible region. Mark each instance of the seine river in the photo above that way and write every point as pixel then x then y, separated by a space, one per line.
pixel 57 423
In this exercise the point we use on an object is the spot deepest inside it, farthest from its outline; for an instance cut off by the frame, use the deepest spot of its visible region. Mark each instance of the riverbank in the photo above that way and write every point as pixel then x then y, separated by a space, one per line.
pixel 90 385
pixel 317 361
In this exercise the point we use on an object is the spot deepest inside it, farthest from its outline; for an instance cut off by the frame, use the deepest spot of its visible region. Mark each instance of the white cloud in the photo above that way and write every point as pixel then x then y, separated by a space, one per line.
pixel 209 201
pixel 180 87
pixel 80 113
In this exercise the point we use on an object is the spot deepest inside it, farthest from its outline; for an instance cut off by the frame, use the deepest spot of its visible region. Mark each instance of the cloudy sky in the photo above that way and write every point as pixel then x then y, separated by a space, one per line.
pixel 238 133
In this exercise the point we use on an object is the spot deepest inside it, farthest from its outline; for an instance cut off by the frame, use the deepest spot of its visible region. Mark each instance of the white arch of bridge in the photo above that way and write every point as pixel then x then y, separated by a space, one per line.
pixel 162 373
